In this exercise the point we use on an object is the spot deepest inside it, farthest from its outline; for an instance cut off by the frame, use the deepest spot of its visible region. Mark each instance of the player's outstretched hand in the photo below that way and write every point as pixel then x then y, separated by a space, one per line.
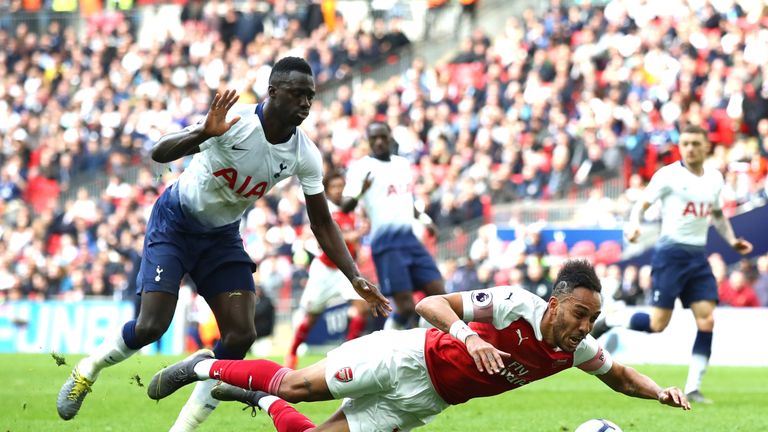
pixel 487 357
pixel 216 123
pixel 742 246
pixel 633 233
pixel 674 397
pixel 370 293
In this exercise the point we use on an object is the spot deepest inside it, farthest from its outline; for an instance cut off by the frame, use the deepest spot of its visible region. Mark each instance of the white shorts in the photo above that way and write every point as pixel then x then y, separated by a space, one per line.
pixel 384 381
pixel 325 285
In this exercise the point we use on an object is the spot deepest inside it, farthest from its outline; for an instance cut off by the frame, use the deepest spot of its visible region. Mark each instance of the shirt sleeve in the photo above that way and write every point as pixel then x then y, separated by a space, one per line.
pixel 658 187
pixel 500 306
pixel 591 357
pixel 310 170
pixel 354 181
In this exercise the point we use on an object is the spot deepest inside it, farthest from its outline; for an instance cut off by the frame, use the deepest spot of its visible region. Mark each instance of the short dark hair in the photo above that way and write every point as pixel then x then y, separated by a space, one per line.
pixel 576 273
pixel 695 129
pixel 379 123
pixel 331 175
pixel 286 65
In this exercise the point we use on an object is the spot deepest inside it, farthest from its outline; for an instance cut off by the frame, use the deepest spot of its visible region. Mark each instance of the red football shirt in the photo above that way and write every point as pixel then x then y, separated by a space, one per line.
pixel 509 319
pixel 346 223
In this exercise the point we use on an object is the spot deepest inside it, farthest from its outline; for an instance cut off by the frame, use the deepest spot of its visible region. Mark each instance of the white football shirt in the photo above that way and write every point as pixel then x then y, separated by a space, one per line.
pixel 234 170
pixel 687 200
pixel 389 201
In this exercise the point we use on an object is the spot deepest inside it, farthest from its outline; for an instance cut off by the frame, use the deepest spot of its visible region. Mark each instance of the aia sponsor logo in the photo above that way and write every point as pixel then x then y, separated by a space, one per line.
pixel 344 374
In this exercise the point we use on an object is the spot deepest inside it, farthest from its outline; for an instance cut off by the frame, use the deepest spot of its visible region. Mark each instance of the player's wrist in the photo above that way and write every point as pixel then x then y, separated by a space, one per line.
pixel 461 331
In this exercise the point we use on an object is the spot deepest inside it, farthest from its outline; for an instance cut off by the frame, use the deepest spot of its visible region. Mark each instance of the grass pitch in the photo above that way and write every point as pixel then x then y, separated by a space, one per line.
pixel 119 402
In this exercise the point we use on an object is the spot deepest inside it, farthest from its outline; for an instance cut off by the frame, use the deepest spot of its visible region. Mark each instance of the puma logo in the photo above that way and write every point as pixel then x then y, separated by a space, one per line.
pixel 282 168
pixel 520 337
pixel 158 270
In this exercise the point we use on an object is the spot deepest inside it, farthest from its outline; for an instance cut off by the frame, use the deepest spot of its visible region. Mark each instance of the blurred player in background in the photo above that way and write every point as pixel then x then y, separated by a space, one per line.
pixel 326 282
pixel 689 194
pixel 383 182
pixel 400 380
pixel 194 227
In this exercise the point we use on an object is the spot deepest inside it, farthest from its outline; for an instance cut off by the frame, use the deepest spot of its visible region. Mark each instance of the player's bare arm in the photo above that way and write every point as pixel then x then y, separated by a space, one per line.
pixel 445 312
pixel 724 227
pixel 627 380
pixel 187 141
pixel 635 219
pixel 349 203
pixel 329 236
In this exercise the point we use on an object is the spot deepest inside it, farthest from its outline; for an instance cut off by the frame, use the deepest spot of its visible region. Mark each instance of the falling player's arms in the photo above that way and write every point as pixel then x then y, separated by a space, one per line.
pixel 175 145
pixel 446 312
pixel 627 380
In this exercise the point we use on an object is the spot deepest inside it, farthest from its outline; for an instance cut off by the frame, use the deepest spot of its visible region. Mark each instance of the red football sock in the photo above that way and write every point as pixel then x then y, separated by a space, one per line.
pixel 287 419
pixel 261 375
pixel 300 336
pixel 356 327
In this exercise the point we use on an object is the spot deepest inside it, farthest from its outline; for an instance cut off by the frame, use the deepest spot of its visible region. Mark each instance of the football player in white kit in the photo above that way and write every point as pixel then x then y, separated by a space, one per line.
pixel 485 342
pixel 689 194
pixel 326 283
pixel 383 183
pixel 240 152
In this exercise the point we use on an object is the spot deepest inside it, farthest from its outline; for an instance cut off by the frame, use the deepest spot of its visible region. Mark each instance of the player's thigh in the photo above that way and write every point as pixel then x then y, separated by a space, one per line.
pixel 424 272
pixel 324 284
pixel 701 286
pixel 336 423
pixel 234 309
pixel 667 282
pixel 391 270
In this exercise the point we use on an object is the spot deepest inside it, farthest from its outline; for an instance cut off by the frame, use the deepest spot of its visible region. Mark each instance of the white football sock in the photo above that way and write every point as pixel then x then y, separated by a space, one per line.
pixel 203 369
pixel 109 353
pixel 198 407
pixel 267 401
pixel 696 372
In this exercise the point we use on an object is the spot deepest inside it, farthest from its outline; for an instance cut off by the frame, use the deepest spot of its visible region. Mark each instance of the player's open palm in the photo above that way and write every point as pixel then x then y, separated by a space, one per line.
pixel 487 357
pixel 674 397
pixel 216 123
pixel 371 294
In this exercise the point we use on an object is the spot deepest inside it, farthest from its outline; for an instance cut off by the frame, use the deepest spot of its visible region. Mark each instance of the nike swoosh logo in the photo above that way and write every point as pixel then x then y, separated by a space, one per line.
pixel 235 147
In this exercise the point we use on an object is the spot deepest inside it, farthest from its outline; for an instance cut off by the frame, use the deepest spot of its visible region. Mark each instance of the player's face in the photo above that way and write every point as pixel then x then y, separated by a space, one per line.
pixel 380 140
pixel 694 148
pixel 334 190
pixel 293 96
pixel 576 314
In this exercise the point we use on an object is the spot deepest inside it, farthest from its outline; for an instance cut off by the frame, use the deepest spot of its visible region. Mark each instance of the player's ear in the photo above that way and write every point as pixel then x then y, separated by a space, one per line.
pixel 271 90
pixel 554 303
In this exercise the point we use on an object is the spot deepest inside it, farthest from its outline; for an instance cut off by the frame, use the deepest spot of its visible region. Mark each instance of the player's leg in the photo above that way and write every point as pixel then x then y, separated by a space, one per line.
pixel 320 289
pixel 283 415
pixel 358 310
pixel 703 312
pixel 299 336
pixel 701 296
pixel 229 291
pixel 425 275
pixel 158 303
pixel 397 284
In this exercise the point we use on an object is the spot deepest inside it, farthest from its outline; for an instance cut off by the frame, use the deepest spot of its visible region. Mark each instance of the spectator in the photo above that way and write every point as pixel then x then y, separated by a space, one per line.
pixel 737 292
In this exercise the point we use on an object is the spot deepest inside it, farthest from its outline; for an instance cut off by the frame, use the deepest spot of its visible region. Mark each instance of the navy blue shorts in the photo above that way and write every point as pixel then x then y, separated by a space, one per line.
pixel 681 271
pixel 176 244
pixel 405 268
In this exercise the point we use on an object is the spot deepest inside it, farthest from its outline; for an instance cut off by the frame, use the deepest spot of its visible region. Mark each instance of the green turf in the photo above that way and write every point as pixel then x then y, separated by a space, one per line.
pixel 30 384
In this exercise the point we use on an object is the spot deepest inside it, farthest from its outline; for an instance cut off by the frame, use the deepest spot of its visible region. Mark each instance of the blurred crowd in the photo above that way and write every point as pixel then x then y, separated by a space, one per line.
pixel 559 101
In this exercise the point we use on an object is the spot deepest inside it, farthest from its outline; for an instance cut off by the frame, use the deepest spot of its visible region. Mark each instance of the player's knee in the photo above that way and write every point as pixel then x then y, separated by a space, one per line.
pixel 706 323
pixel 150 331
pixel 239 340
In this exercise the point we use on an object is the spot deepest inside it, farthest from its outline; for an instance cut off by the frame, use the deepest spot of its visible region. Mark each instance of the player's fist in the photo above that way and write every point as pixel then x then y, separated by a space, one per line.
pixel 216 123
pixel 371 294
pixel 742 246
pixel 674 397
pixel 633 233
